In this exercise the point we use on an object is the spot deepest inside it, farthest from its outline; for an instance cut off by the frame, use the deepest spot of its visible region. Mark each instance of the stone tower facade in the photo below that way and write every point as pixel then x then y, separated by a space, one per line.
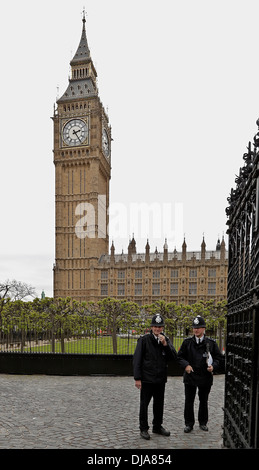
pixel 82 158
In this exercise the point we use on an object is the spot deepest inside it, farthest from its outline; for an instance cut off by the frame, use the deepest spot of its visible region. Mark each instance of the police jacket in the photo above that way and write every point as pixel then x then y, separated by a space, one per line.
pixel 196 355
pixel 150 359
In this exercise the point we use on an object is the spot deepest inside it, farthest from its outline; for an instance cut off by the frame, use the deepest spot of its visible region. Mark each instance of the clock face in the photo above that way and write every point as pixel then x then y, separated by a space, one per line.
pixel 105 139
pixel 75 132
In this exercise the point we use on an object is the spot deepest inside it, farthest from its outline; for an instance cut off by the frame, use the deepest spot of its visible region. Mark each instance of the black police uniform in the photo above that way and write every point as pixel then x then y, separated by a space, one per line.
pixel 195 354
pixel 150 366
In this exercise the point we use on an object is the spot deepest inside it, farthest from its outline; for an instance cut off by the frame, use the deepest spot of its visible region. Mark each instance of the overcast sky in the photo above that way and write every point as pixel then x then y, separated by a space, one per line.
pixel 180 82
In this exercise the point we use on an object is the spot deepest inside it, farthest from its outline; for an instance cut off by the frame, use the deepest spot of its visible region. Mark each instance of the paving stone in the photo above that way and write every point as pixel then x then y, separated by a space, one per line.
pixel 57 412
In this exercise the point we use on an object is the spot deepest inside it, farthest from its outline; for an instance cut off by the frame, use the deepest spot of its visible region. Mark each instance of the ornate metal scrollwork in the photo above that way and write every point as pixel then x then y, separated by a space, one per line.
pixel 241 426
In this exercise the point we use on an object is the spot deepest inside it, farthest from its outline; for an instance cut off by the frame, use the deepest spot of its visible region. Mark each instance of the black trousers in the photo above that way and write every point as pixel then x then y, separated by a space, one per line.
pixel 157 391
pixel 190 393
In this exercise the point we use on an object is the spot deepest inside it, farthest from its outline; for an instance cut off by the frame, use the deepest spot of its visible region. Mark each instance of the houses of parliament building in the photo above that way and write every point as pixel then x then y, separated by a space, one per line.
pixel 86 268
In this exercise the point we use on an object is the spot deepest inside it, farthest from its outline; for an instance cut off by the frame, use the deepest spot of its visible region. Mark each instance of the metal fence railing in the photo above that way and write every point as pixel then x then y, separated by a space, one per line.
pixel 95 342
pixel 85 342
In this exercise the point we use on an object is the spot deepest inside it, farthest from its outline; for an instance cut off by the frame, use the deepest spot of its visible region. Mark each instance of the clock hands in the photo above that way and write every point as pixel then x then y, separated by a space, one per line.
pixel 76 132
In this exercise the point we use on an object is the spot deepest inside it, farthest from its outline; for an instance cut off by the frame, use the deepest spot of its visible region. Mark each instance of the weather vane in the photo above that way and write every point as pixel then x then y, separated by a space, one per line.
pixel 84 14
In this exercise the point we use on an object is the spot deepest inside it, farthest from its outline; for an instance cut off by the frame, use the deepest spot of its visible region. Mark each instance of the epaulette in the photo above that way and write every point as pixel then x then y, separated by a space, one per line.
pixel 210 339
pixel 143 336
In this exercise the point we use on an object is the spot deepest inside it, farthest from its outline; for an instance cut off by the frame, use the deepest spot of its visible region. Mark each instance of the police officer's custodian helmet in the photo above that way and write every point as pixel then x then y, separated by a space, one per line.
pixel 198 322
pixel 157 320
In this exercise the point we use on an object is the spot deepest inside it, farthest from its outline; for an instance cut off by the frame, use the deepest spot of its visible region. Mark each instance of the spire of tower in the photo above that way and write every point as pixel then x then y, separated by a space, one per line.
pixel 82 83
pixel 83 51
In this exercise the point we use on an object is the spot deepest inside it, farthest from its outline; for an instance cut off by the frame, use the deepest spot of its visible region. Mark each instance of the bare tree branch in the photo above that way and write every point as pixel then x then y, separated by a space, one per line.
pixel 15 290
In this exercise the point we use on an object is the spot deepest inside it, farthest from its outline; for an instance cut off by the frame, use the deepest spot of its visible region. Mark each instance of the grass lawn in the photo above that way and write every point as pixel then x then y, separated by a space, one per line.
pixel 98 345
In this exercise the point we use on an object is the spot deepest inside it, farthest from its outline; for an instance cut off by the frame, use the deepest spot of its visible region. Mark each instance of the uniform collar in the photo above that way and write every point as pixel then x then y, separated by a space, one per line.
pixel 155 337
pixel 198 340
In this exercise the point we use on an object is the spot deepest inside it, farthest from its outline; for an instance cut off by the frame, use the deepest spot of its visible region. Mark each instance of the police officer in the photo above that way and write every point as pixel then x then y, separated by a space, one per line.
pixel 152 353
pixel 199 356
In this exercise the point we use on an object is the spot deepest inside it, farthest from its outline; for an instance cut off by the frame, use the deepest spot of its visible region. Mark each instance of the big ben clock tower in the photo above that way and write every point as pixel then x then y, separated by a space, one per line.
pixel 82 158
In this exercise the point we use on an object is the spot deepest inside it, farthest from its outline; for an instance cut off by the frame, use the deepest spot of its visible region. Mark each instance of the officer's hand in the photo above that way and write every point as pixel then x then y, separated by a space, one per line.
pixel 138 384
pixel 162 340
pixel 210 369
pixel 189 369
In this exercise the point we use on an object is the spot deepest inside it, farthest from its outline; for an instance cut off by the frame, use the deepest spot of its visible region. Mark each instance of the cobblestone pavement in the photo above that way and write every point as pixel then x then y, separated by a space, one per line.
pixel 57 412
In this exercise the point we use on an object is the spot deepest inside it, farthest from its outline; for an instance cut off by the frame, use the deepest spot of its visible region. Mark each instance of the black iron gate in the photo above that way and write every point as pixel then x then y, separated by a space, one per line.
pixel 241 408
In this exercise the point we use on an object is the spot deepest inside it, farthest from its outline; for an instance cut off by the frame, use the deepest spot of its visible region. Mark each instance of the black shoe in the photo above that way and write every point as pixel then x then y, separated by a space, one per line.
pixel 145 435
pixel 204 427
pixel 188 428
pixel 161 431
